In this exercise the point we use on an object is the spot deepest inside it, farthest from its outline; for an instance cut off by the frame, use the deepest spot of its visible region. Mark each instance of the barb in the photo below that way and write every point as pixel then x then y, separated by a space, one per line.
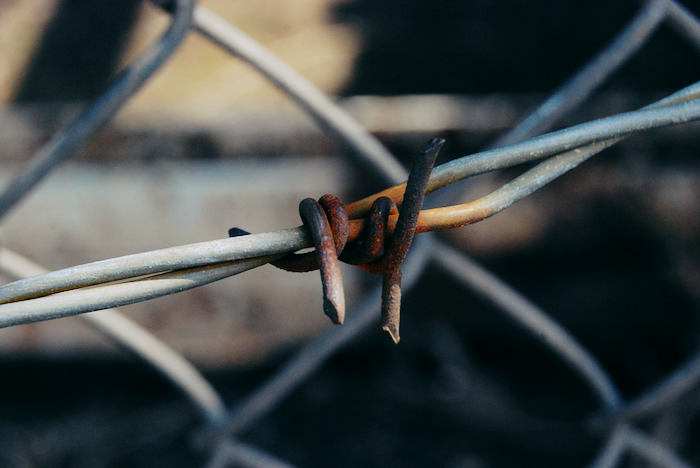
pixel 335 216
pixel 327 221
pixel 389 264
pixel 64 145
pixel 333 294
pixel 329 243
pixel 373 241
pixel 271 393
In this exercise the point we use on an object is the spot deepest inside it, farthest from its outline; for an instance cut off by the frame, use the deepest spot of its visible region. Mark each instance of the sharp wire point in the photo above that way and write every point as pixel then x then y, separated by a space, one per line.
pixel 335 312
pixel 393 331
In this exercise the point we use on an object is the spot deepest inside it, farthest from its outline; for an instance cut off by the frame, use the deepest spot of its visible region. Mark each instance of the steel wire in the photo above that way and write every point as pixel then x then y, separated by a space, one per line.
pixel 680 107
pixel 64 144
pixel 638 443
pixel 578 87
pixel 623 437
pixel 651 13
pixel 137 339
pixel 69 303
pixel 612 452
pixel 184 256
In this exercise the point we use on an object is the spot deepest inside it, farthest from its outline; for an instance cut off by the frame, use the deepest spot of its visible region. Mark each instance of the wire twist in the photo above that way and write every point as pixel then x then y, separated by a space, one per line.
pixel 328 222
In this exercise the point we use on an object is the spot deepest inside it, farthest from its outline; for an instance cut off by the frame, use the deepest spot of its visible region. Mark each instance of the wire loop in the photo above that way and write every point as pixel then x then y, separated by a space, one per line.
pixel 327 220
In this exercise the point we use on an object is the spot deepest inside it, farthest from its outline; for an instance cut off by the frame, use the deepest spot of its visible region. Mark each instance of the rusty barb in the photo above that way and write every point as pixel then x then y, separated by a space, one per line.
pixel 327 220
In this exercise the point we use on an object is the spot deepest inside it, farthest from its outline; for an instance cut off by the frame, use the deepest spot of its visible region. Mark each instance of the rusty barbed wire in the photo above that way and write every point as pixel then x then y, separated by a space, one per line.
pixel 193 265
pixel 327 220
pixel 185 267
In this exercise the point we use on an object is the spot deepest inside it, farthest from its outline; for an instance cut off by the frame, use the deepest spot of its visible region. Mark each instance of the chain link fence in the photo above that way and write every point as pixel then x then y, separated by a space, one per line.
pixel 40 295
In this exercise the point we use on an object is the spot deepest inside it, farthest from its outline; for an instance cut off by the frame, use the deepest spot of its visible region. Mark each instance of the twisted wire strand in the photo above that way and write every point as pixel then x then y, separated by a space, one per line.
pixel 680 107
pixel 69 303
pixel 669 111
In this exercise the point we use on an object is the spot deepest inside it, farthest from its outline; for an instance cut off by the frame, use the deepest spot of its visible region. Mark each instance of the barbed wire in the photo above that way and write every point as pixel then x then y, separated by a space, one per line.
pixel 24 304
pixel 175 269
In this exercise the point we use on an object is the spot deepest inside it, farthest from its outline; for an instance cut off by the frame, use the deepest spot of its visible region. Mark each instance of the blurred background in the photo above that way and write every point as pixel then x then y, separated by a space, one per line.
pixel 609 250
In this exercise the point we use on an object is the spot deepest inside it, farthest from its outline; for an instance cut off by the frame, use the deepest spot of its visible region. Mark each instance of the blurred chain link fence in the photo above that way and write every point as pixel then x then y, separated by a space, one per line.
pixel 40 295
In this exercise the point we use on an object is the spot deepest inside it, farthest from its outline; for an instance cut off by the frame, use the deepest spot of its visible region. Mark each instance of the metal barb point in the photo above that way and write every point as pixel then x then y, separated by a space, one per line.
pixel 315 219
pixel 391 303
pixel 334 311
pixel 389 264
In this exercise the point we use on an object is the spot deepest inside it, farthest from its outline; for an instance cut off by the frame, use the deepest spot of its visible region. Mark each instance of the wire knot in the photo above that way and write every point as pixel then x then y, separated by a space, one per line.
pixel 327 221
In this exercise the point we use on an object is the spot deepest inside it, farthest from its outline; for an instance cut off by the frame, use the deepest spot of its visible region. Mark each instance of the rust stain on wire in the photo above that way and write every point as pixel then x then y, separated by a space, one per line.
pixel 327 220
pixel 389 264
pixel 333 211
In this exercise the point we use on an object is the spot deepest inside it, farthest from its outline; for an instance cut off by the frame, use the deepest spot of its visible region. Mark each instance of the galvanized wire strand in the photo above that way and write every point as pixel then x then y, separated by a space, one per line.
pixel 684 22
pixel 638 443
pixel 563 140
pixel 146 263
pixel 75 302
pixel 240 455
pixel 79 301
pixel 681 107
pixel 65 144
pixel 531 318
pixel 513 191
pixel 329 115
pixel 593 74
pixel 137 339
pixel 264 399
